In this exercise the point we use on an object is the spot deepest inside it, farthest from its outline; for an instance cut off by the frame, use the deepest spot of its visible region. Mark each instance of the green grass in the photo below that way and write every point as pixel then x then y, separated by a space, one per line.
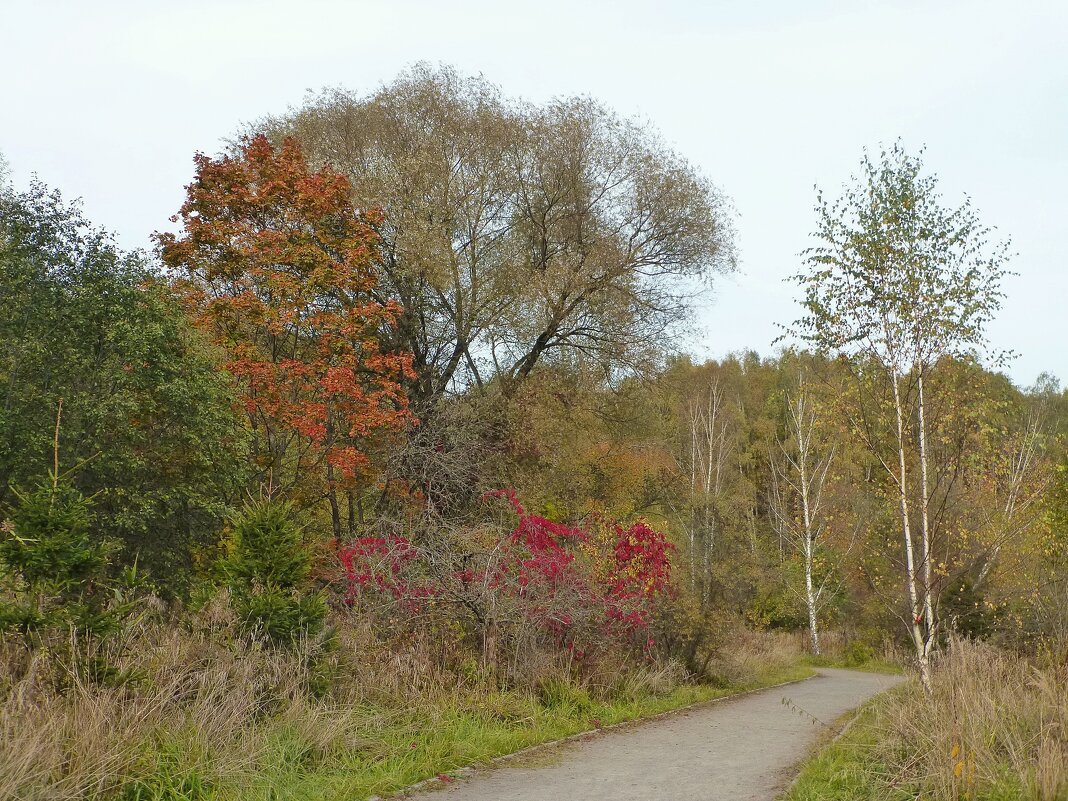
pixel 402 747
pixel 849 767
pixel 868 665
pixel 844 770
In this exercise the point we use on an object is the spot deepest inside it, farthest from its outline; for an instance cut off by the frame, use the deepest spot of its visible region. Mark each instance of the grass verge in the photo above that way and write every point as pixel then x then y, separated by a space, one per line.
pixel 403 748
pixel 844 768
pixel 994 728
pixel 214 718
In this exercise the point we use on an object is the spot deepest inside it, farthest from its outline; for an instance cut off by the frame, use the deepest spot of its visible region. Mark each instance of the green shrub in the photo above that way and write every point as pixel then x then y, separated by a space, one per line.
pixel 267 569
pixel 858 653
pixel 56 569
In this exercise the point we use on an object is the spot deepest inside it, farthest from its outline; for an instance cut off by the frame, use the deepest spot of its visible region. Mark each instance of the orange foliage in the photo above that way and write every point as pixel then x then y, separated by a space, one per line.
pixel 276 264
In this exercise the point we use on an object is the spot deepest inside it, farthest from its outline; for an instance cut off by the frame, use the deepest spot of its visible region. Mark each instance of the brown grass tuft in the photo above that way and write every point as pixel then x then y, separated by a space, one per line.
pixel 995 723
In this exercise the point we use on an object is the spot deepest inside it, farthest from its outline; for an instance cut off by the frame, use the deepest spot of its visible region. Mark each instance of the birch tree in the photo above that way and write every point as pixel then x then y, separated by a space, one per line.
pixel 712 446
pixel 797 500
pixel 896 283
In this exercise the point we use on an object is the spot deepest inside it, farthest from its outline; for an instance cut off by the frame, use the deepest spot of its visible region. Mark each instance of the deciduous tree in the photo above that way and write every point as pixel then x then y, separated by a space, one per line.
pixel 897 283
pixel 281 269
pixel 799 470
pixel 516 234
pixel 144 401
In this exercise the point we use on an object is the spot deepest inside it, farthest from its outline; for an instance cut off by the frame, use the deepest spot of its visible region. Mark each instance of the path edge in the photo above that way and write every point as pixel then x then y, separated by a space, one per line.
pixel 853 716
pixel 588 734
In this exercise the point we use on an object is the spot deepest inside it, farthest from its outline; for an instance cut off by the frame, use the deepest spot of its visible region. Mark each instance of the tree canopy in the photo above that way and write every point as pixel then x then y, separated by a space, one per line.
pixel 515 234
pixel 146 413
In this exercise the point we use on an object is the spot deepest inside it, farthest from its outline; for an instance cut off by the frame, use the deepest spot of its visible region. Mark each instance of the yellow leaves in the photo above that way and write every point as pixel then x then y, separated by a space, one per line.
pixel 963 769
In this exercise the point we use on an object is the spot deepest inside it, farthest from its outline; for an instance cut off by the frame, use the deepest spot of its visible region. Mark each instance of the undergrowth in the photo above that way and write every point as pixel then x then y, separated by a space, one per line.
pixel 211 717
pixel 994 729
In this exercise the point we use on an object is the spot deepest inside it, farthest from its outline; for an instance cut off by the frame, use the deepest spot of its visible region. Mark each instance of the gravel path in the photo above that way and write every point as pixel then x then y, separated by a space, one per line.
pixel 743 748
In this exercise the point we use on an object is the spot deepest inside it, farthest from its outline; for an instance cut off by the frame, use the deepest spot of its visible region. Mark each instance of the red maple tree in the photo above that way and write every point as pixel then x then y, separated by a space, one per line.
pixel 279 267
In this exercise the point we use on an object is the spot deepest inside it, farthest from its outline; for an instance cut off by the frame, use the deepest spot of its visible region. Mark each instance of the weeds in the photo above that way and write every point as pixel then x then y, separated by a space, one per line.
pixel 215 716
pixel 995 729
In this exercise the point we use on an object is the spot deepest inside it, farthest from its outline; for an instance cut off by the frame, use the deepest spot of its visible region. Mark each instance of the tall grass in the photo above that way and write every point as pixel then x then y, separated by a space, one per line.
pixel 995 728
pixel 189 707
pixel 201 713
pixel 752 658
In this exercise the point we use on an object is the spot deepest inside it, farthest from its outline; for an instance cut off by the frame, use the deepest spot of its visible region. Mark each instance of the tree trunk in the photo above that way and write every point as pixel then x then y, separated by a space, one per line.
pixel 350 508
pixel 693 496
pixel 810 599
pixel 335 509
pixel 803 448
pixel 928 604
pixel 915 607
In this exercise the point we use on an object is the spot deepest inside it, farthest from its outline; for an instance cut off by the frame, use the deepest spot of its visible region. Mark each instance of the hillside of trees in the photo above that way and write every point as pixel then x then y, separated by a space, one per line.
pixel 389 456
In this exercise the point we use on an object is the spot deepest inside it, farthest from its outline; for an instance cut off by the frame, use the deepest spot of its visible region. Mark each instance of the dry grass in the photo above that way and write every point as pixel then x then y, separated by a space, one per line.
pixel 994 729
pixel 207 715
pixel 81 740
pixel 199 711
pixel 994 721
pixel 749 654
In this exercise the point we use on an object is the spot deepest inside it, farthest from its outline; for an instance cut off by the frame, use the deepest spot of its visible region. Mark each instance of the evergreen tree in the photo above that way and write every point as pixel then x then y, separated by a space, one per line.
pixel 267 570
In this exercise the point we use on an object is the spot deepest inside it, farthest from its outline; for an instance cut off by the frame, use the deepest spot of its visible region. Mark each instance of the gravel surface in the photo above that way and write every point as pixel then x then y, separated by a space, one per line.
pixel 741 748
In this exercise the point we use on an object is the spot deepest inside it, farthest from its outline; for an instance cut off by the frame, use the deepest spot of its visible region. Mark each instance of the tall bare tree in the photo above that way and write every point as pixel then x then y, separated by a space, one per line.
pixel 713 442
pixel 517 233
pixel 797 499
pixel 1016 477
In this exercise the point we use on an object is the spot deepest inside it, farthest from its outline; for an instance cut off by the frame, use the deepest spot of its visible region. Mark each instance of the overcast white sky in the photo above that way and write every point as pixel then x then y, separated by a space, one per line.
pixel 109 100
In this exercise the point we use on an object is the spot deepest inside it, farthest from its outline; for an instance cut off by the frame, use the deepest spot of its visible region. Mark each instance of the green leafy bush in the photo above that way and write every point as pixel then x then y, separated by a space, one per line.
pixel 858 653
pixel 148 415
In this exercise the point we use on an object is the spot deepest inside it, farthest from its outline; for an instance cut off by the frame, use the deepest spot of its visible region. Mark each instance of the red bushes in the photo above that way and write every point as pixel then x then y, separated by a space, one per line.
pixel 575 585
pixel 641 570
pixel 379 563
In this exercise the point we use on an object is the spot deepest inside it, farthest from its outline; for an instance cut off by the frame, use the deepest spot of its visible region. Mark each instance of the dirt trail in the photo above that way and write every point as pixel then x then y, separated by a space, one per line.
pixel 741 748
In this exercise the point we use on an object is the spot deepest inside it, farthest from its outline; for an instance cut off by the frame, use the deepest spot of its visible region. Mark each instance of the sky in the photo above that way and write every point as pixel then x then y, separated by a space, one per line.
pixel 108 101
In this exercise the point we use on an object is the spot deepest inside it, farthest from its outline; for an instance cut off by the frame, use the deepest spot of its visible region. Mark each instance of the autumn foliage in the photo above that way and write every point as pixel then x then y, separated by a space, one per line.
pixel 581 586
pixel 280 268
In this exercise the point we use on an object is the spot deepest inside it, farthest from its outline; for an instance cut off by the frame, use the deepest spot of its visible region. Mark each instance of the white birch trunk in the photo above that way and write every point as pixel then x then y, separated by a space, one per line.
pixel 915 606
pixel 803 428
pixel 799 479
pixel 925 521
